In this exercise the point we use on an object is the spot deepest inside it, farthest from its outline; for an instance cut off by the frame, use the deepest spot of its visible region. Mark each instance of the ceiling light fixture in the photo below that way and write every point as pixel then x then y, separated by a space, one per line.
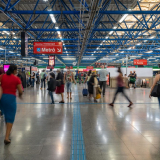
pixel 123 18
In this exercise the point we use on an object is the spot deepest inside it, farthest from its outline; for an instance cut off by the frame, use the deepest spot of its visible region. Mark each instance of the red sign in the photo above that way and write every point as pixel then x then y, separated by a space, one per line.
pixel 34 69
pixel 49 67
pixel 69 67
pixel 131 67
pixel 140 62
pixel 51 61
pixel 89 67
pixel 47 47
pixel 110 66
pixel 84 70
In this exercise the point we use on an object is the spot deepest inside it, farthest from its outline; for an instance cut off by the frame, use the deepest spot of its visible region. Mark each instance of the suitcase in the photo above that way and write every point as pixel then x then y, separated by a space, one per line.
pixel 85 92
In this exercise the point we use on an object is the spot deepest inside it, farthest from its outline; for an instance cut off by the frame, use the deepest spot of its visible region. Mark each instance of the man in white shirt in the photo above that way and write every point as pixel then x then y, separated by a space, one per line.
pixel 103 78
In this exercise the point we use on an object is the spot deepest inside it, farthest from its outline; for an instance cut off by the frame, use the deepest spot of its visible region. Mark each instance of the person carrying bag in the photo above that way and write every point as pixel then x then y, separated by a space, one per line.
pixel 155 89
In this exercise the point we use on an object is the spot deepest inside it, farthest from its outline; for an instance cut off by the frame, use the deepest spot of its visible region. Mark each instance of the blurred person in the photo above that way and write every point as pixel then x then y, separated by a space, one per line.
pixel 103 78
pixel 68 79
pixel 52 86
pixel 88 77
pixel 131 79
pixel 10 83
pixel 33 79
pixel 37 77
pixel 79 77
pixel 1 92
pixel 120 89
pixel 156 80
pixel 92 84
pixel 135 76
pixel 60 89
pixel 43 79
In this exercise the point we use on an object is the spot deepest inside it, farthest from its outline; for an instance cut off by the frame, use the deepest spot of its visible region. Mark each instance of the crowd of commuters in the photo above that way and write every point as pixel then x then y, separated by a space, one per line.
pixel 11 81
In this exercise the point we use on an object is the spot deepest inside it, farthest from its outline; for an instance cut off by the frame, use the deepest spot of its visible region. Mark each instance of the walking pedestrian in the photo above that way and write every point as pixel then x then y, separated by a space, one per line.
pixel 156 80
pixel 88 77
pixel 131 79
pixel 43 79
pixel 37 77
pixel 68 79
pixel 135 76
pixel 10 83
pixel 103 78
pixel 33 79
pixel 60 88
pixel 1 92
pixel 92 84
pixel 120 89
pixel 52 86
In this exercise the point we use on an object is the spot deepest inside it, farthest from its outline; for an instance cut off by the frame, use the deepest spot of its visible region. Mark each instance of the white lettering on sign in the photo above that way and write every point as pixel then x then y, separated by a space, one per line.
pixel 48 49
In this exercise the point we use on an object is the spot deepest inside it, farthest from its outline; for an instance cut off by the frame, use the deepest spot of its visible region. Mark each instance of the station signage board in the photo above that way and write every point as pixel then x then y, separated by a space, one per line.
pixel 69 67
pixel 140 62
pixel 50 67
pixel 47 47
pixel 34 69
pixel 89 67
pixel 51 61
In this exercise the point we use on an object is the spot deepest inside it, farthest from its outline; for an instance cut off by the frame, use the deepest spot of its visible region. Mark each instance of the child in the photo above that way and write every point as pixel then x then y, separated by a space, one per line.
pixel 52 86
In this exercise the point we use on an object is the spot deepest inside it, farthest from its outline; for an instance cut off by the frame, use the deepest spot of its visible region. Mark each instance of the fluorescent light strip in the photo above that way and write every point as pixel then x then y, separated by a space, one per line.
pixel 123 18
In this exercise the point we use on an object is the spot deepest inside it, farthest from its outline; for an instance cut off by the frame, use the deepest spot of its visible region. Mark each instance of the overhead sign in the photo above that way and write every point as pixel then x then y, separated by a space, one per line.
pixel 69 67
pixel 51 61
pixel 89 67
pixel 98 65
pixel 140 62
pixel 48 47
pixel 50 67
pixel 34 69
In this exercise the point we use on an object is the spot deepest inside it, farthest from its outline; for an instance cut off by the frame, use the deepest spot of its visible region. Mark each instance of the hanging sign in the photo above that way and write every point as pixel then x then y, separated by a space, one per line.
pixel 34 69
pixel 51 61
pixel 140 62
pixel 48 47
pixel 89 67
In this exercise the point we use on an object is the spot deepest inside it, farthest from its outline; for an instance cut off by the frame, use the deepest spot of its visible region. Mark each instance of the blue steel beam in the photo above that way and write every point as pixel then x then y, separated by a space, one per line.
pixel 85 12
pixel 13 5
pixel 70 30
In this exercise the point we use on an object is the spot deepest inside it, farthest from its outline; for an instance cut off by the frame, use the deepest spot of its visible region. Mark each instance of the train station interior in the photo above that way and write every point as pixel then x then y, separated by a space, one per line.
pixel 79 80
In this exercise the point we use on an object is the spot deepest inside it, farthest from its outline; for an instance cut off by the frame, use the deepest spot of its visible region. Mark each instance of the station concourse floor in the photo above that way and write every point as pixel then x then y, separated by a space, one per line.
pixel 83 130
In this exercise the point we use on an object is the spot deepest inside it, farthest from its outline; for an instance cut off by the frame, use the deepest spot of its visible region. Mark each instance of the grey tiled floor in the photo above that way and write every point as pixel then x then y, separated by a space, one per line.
pixel 44 131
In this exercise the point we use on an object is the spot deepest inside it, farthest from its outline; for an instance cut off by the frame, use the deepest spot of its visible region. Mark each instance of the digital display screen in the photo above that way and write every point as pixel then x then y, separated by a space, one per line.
pixel 6 67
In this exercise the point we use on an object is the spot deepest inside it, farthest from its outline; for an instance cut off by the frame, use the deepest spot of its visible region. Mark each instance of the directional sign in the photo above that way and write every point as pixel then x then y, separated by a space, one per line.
pixel 48 47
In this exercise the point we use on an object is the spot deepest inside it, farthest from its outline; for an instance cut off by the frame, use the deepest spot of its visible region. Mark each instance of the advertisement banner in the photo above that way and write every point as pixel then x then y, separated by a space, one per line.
pixel 89 67
pixel 47 47
pixel 34 69
pixel 69 67
pixel 51 61
pixel 50 67
pixel 140 62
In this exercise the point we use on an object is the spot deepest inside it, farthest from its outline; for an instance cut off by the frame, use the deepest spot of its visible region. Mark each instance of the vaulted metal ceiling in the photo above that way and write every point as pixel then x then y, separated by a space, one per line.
pixel 91 30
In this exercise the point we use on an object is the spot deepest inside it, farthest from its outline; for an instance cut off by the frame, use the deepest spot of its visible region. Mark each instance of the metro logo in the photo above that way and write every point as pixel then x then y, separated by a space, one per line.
pixel 38 49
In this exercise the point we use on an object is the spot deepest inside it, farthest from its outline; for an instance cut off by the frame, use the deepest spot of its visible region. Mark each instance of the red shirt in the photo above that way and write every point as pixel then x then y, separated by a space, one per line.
pixel 9 84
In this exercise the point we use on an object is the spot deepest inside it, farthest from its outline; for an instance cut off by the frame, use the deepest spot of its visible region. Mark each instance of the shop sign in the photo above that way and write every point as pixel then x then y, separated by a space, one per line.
pixel 50 67
pixel 34 69
pixel 110 66
pixel 89 67
pixel 70 67
pixel 140 62
pixel 51 61
pixel 48 47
